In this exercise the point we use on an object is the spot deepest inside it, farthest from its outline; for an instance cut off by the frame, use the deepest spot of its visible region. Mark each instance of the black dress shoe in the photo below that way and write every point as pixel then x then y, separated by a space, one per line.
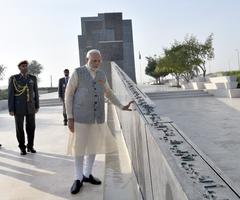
pixel 23 152
pixel 93 180
pixel 65 123
pixel 32 150
pixel 77 184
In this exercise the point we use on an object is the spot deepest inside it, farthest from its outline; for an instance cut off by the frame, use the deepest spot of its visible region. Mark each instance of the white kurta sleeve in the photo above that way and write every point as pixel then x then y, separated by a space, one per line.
pixel 111 96
pixel 69 94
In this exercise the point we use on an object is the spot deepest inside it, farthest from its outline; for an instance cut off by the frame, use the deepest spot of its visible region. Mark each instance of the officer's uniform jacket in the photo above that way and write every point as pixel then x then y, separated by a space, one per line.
pixel 23 95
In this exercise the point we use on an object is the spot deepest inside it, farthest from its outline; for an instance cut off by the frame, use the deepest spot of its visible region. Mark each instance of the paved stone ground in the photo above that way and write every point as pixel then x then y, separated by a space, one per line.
pixel 213 125
pixel 48 174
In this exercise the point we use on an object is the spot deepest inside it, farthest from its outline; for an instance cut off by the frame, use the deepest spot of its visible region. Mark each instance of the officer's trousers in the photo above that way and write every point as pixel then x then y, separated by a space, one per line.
pixel 29 127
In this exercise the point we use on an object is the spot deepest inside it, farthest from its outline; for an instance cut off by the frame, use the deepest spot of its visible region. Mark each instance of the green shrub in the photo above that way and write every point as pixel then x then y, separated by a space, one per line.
pixel 3 94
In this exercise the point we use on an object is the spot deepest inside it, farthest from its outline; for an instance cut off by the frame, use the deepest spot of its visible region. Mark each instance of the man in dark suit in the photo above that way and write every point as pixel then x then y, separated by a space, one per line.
pixel 23 102
pixel 61 92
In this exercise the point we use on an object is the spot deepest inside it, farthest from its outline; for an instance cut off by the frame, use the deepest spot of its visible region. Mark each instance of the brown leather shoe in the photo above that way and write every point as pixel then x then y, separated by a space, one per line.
pixel 93 180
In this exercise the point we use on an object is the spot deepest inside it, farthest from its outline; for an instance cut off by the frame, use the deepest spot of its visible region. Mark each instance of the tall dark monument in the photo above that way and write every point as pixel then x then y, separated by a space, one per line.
pixel 112 35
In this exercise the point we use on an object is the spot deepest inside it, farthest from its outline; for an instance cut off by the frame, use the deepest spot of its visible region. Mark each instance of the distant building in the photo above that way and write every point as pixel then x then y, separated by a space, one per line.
pixel 112 36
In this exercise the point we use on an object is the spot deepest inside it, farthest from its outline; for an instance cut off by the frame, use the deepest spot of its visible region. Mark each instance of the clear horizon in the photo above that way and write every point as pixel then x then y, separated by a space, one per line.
pixel 47 31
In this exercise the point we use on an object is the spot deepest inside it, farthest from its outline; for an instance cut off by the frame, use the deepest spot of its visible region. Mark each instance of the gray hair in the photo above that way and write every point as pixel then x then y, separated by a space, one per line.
pixel 91 52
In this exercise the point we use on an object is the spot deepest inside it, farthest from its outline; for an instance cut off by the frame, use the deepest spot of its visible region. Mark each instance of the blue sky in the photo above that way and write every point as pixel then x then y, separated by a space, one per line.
pixel 47 30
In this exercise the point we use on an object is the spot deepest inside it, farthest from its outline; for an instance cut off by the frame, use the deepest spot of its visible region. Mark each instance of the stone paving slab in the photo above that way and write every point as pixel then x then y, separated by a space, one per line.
pixel 52 95
pixel 213 125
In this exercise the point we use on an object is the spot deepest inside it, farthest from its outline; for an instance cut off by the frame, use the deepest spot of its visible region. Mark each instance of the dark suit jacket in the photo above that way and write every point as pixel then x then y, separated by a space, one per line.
pixel 28 101
pixel 61 87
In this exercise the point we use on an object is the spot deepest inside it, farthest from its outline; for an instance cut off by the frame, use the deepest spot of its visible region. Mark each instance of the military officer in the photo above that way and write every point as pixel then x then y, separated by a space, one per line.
pixel 61 93
pixel 23 102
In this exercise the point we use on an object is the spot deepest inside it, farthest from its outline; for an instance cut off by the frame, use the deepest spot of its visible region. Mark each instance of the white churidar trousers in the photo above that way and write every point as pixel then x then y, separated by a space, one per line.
pixel 83 166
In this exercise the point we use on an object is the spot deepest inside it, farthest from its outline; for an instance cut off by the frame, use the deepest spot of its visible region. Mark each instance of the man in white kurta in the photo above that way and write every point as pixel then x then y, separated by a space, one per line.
pixel 90 133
